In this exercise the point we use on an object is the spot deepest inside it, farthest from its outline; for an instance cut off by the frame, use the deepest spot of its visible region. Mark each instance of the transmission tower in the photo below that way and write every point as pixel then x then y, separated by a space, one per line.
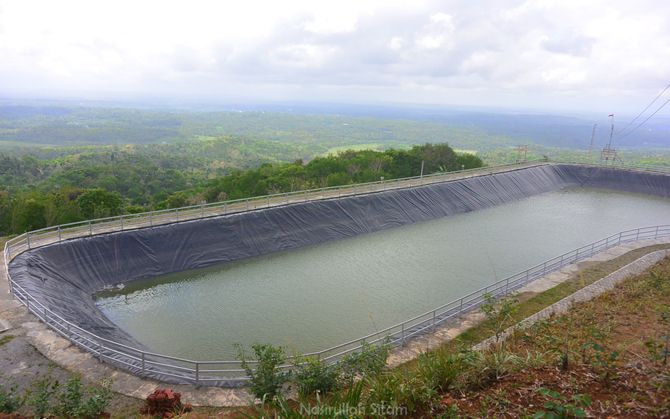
pixel 608 153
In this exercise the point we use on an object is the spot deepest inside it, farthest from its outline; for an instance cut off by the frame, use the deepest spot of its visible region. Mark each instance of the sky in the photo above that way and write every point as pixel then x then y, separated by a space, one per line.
pixel 601 56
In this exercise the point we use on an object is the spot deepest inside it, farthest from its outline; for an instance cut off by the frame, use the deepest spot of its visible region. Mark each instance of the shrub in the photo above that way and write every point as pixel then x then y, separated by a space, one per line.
pixel 499 314
pixel 368 362
pixel 558 405
pixel 9 401
pixel 40 399
pixel 70 399
pixel 313 376
pixel 395 390
pixel 439 369
pixel 98 400
pixel 76 401
pixel 164 403
pixel 267 378
pixel 485 367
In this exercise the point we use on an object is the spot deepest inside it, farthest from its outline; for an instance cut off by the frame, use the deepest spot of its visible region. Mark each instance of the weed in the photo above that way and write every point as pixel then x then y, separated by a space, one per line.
pixel 397 391
pixel 98 400
pixel 6 339
pixel 499 314
pixel 369 361
pixel 439 369
pixel 9 401
pixel 558 406
pixel 70 399
pixel 40 399
pixel 313 376
pixel 267 378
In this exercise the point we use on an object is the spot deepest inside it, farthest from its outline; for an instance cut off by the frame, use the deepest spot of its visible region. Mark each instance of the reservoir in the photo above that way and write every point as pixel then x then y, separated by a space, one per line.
pixel 315 297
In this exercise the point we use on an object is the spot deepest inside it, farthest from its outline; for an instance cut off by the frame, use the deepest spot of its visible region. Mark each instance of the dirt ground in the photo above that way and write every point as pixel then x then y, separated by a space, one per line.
pixel 617 362
pixel 616 366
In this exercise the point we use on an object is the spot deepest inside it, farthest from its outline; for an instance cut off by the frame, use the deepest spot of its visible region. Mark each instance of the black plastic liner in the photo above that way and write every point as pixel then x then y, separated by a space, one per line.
pixel 65 276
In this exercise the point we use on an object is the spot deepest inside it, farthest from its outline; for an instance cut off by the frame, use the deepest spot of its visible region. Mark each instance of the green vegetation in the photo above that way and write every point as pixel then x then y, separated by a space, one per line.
pixel 267 378
pixel 6 339
pixel 9 400
pixel 117 182
pixel 525 377
pixel 48 398
pixel 78 126
pixel 314 377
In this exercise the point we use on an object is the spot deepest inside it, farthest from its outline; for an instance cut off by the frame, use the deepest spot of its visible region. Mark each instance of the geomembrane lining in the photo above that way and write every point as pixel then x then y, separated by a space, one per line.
pixel 65 276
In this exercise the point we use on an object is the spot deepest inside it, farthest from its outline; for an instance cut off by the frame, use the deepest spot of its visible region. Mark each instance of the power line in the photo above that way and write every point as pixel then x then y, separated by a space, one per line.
pixel 648 118
pixel 643 111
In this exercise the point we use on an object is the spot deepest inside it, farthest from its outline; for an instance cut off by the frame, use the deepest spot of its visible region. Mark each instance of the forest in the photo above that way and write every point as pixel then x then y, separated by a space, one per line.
pixel 65 163
pixel 39 193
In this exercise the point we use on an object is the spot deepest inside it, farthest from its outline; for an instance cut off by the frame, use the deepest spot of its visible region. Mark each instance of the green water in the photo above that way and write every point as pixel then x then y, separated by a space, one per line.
pixel 313 298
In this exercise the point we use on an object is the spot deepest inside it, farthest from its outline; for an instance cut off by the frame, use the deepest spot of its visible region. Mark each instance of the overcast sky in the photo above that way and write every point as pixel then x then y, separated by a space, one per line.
pixel 609 56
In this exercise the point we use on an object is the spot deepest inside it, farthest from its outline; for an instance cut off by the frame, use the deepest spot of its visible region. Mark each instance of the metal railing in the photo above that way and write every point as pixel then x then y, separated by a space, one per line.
pixel 155 365
pixel 58 233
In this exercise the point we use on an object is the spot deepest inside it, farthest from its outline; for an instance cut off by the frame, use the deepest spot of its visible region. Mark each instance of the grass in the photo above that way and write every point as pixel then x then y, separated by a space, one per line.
pixel 605 357
pixel 6 339
pixel 530 304
pixel 454 381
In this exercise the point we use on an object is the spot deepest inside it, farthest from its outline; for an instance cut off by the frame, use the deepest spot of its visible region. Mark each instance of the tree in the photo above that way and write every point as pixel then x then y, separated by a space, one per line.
pixel 98 203
pixel 468 161
pixel 28 214
pixel 436 157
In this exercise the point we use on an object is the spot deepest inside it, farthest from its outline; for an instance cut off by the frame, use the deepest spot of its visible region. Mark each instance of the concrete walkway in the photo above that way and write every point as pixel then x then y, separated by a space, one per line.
pixel 23 325
pixel 451 329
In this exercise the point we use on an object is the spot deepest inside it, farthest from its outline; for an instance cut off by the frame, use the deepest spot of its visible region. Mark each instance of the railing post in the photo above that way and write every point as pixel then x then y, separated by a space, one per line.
pixel 122 223
pixel 143 363
pixel 46 317
pixel 561 264
pixel 202 210
pixel 59 235
pixel 28 239
pixel 176 213
pixel 268 202
pixel 90 228
pixel 656 234
pixel 247 204
pixel 225 208
pixel 305 196
pixel 620 233
pixel 402 334
pixel 197 373
pixel 434 322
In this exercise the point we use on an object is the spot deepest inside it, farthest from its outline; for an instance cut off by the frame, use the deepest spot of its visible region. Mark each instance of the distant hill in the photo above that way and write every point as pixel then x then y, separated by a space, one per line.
pixel 330 127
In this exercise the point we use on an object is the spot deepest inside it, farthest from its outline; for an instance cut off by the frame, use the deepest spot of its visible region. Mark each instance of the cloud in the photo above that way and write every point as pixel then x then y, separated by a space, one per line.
pixel 490 52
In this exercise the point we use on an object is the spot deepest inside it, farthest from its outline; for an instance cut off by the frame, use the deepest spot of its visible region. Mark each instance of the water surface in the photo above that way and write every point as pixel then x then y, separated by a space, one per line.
pixel 316 297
